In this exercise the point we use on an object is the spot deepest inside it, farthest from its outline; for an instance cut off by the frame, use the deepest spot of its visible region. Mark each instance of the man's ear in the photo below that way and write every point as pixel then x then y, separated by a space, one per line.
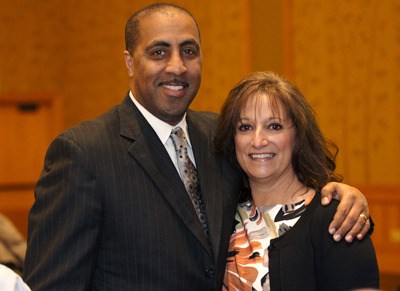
pixel 129 63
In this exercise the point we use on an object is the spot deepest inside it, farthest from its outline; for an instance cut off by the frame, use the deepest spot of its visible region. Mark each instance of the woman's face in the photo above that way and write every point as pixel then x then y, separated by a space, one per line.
pixel 264 141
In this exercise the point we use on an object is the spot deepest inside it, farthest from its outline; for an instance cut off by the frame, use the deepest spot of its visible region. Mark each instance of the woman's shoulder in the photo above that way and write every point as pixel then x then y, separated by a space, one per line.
pixel 322 213
pixel 325 209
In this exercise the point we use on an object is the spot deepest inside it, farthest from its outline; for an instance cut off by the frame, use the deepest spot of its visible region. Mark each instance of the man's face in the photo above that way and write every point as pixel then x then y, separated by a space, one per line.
pixel 165 66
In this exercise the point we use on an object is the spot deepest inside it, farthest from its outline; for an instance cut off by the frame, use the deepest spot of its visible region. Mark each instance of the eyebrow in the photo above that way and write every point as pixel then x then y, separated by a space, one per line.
pixel 162 43
pixel 191 42
pixel 241 118
pixel 157 43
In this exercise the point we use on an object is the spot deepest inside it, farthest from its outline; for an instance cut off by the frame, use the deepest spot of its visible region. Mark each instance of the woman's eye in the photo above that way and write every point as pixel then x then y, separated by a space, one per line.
pixel 244 127
pixel 275 126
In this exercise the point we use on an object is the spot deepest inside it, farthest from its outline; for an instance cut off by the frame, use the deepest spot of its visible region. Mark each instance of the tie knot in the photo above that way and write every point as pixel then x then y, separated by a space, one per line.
pixel 178 138
pixel 177 131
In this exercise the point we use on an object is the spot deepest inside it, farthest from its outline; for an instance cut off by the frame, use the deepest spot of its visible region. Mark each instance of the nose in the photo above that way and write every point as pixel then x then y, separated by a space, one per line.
pixel 176 64
pixel 259 139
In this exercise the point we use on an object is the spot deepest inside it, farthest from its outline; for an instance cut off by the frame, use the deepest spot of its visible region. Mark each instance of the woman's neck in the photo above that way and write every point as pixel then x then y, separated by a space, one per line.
pixel 282 191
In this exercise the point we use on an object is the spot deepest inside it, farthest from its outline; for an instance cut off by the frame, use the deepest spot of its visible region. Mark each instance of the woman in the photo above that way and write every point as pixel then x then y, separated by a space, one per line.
pixel 280 240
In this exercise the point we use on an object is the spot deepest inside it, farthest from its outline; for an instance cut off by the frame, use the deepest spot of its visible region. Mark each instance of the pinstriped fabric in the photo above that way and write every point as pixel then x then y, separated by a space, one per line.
pixel 112 214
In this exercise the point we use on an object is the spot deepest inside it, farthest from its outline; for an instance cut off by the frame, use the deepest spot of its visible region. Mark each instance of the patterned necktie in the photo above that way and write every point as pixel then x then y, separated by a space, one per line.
pixel 189 175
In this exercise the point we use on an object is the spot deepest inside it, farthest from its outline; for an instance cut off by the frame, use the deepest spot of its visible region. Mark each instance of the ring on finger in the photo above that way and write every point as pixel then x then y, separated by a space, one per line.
pixel 363 216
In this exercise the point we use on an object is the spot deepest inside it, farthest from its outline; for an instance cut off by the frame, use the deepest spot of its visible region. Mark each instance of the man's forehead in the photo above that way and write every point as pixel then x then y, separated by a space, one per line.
pixel 165 29
pixel 158 19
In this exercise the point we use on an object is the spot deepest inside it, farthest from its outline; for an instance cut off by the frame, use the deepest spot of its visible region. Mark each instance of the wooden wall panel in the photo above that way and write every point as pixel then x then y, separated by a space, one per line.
pixel 225 46
pixel 345 57
pixel 347 62
pixel 385 210
pixel 28 123
pixel 15 205
pixel 267 35
pixel 75 49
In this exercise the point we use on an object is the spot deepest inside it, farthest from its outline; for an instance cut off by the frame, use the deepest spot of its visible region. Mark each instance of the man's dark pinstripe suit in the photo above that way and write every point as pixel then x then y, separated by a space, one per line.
pixel 111 212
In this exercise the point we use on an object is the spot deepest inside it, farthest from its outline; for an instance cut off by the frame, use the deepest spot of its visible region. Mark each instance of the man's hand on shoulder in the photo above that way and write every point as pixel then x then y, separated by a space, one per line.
pixel 352 216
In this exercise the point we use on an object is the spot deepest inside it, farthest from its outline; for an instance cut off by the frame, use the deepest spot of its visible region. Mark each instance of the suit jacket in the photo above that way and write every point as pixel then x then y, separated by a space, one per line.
pixel 111 212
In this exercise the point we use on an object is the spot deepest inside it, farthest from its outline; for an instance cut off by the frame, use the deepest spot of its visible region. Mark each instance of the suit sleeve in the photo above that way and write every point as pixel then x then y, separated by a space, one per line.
pixel 64 221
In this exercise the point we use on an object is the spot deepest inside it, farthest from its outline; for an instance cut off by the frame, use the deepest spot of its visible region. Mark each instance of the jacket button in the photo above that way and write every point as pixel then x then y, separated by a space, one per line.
pixel 210 273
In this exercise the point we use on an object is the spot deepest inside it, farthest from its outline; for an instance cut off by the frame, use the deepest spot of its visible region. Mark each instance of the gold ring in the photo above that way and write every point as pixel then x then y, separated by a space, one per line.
pixel 363 216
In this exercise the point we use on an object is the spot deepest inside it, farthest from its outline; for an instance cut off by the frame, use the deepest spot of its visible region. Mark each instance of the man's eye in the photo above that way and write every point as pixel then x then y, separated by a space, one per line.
pixel 190 52
pixel 158 53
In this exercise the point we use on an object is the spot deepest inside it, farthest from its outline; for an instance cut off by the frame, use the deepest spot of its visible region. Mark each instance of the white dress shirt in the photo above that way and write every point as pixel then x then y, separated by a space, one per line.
pixel 163 130
pixel 11 281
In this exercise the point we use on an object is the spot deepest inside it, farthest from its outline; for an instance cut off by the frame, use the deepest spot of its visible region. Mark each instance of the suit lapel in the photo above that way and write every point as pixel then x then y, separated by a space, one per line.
pixel 151 154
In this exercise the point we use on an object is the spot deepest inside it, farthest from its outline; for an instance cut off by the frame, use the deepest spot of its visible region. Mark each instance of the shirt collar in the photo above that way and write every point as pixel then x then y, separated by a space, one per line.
pixel 162 129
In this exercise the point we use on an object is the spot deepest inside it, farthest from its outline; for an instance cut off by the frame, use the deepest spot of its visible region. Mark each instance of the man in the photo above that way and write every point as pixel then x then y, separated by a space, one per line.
pixel 111 210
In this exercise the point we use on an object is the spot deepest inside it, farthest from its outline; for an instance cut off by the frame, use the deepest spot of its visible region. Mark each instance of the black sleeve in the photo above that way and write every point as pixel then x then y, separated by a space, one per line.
pixel 345 266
